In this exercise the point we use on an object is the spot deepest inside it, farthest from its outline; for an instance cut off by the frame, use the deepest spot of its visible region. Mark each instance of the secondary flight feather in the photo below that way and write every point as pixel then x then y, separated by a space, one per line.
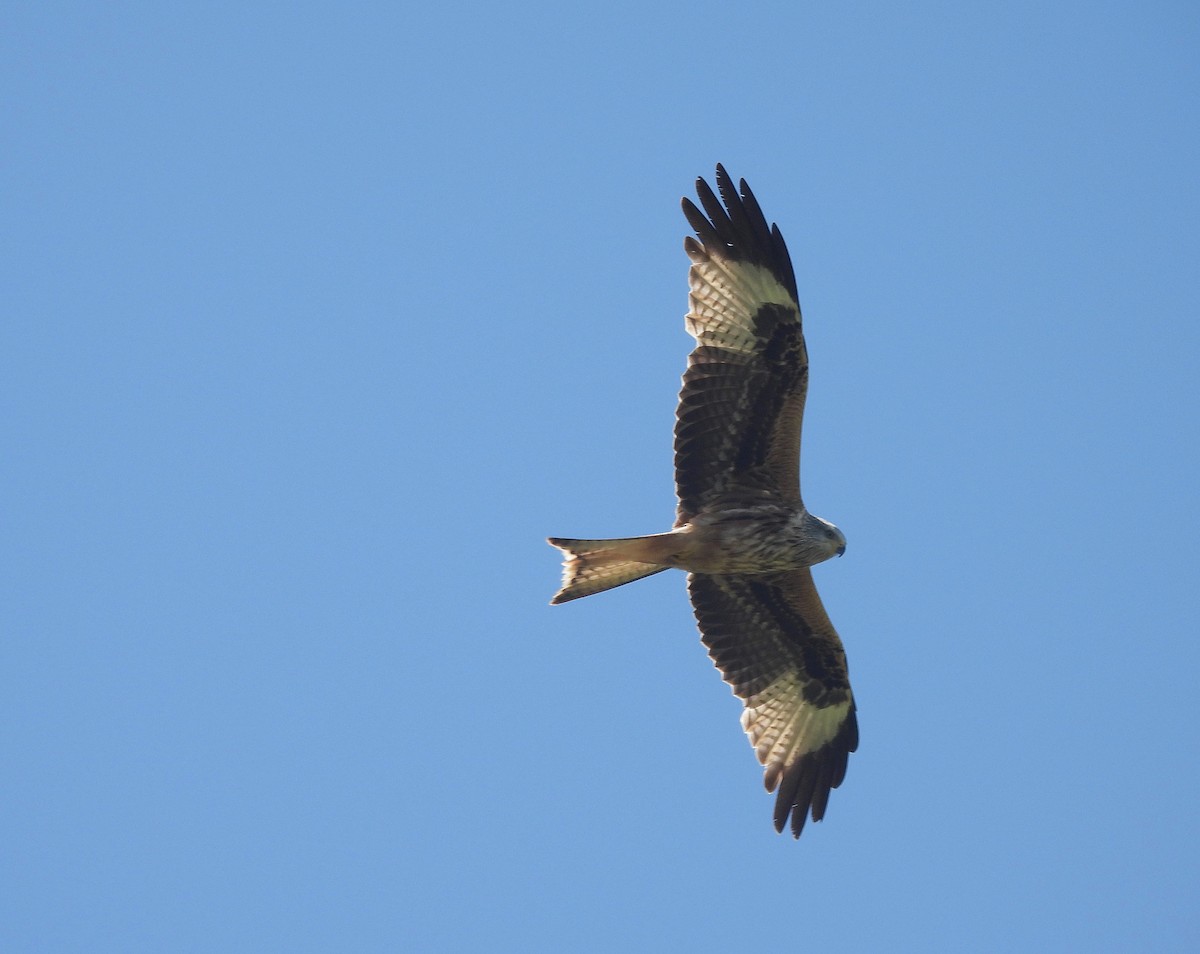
pixel 742 532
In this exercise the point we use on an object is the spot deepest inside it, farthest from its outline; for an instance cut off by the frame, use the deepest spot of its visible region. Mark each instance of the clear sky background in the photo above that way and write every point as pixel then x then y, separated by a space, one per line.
pixel 319 318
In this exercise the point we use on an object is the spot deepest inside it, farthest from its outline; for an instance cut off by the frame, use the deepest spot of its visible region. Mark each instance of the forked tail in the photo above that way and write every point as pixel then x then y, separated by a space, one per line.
pixel 592 566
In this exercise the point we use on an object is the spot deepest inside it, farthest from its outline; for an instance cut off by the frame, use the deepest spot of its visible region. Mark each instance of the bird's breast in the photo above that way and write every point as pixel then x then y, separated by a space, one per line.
pixel 742 540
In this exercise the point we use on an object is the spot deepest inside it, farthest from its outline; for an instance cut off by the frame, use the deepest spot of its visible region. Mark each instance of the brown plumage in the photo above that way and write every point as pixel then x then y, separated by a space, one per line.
pixel 741 529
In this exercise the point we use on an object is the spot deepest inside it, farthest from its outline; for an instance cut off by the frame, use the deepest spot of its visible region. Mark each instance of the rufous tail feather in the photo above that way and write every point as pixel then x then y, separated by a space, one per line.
pixel 592 566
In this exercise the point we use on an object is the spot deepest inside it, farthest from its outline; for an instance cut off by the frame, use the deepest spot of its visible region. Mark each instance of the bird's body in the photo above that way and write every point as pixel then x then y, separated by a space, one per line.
pixel 759 538
pixel 748 538
pixel 742 531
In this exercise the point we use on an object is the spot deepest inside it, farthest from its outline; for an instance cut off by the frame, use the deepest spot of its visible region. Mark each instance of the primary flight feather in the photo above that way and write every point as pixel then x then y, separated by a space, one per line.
pixel 741 529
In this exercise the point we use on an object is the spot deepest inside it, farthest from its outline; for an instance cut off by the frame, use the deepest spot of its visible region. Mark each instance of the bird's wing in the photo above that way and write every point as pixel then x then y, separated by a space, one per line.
pixel 738 425
pixel 774 644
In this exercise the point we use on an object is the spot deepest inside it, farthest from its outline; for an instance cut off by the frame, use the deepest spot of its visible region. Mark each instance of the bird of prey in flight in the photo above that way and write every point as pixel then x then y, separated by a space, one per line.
pixel 741 530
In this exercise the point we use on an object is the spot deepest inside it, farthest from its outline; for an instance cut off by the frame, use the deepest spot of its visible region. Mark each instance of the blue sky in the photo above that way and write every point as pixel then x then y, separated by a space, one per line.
pixel 321 318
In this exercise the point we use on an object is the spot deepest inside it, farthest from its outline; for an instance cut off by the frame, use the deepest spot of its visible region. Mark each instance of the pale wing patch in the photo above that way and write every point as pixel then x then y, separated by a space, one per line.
pixel 724 297
pixel 783 728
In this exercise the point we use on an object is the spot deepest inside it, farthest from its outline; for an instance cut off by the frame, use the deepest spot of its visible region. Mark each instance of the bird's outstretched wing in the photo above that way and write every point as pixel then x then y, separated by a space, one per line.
pixel 738 425
pixel 774 644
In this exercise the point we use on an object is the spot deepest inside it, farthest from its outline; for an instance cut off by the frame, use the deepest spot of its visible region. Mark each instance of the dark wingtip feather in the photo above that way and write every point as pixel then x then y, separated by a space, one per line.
pixel 805 787
pixel 700 225
pixel 733 226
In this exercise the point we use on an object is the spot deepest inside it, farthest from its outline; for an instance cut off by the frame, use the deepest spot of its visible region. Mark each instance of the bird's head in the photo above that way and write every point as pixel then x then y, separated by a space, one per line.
pixel 827 540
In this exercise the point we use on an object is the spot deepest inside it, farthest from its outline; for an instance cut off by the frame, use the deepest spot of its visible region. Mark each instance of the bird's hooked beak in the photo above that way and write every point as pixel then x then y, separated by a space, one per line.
pixel 841 549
